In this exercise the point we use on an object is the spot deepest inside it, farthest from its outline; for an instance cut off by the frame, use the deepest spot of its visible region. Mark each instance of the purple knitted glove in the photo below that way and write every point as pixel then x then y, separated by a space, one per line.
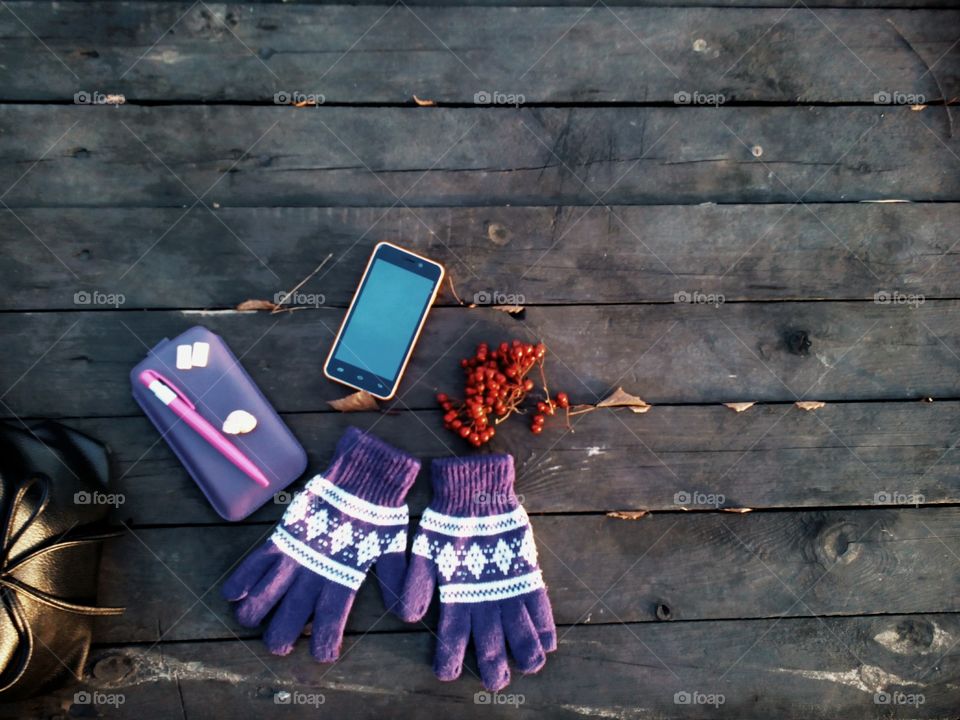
pixel 343 522
pixel 475 538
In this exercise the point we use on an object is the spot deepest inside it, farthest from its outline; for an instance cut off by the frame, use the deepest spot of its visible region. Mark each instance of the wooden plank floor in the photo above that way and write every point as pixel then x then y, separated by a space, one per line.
pixel 798 163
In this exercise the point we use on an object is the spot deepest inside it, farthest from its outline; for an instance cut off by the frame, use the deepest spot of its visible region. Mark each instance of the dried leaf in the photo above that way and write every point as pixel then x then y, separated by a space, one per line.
pixel 628 514
pixel 740 406
pixel 809 404
pixel 359 401
pixel 918 107
pixel 248 305
pixel 509 309
pixel 423 103
pixel 580 409
pixel 737 510
pixel 621 398
pixel 453 290
pixel 115 99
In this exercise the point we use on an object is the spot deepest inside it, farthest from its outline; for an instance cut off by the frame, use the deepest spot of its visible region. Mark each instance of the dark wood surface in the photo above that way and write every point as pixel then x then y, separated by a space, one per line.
pixel 622 55
pixel 820 582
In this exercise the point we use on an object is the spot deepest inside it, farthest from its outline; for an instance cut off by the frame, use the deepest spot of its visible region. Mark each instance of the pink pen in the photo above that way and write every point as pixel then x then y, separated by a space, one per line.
pixel 171 396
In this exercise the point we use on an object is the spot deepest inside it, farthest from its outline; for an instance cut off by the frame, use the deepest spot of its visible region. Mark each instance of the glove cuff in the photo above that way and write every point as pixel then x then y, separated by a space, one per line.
pixel 474 486
pixel 369 468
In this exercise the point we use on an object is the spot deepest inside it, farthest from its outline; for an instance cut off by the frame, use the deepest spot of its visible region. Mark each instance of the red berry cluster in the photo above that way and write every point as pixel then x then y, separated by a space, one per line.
pixel 496 383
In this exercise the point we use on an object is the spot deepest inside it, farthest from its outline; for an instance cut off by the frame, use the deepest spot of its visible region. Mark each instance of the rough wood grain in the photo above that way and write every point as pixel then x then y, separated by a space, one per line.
pixel 809 669
pixel 773 456
pixel 677 353
pixel 697 566
pixel 615 3
pixel 537 255
pixel 264 156
pixel 450 54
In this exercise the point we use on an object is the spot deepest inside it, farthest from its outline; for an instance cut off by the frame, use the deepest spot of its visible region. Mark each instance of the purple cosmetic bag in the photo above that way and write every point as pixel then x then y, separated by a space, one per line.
pixel 199 364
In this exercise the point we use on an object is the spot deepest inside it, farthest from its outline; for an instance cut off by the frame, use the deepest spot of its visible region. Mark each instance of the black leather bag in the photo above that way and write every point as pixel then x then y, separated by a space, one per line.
pixel 49 554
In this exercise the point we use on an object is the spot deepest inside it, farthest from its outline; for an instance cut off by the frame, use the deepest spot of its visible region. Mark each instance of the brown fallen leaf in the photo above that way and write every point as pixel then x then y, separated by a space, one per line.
pixel 621 398
pixel 423 103
pixel 628 514
pixel 509 309
pixel 248 305
pixel 453 290
pixel 359 401
pixel 737 510
pixel 739 406
pixel 918 107
pixel 809 404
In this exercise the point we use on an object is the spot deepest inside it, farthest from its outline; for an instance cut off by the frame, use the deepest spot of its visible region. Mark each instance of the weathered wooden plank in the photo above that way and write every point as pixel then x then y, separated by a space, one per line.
pixel 614 3
pixel 677 353
pixel 773 456
pixel 162 51
pixel 809 669
pixel 698 566
pixel 168 156
pixel 542 254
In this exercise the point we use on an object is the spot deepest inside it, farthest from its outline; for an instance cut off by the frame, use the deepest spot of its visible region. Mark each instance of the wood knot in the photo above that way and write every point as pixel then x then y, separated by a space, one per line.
pixel 915 636
pixel 838 544
pixel 111 668
pixel 498 234
pixel 798 342
pixel 664 612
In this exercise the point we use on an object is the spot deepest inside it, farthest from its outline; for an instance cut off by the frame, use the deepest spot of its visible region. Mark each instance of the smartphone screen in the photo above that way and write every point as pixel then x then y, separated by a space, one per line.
pixel 384 320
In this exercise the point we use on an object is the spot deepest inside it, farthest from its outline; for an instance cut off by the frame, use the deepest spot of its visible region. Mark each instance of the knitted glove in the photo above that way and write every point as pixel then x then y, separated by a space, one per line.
pixel 475 539
pixel 344 521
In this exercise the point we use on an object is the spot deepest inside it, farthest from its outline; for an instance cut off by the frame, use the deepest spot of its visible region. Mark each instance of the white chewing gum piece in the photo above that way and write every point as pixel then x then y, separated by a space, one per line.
pixel 184 357
pixel 201 353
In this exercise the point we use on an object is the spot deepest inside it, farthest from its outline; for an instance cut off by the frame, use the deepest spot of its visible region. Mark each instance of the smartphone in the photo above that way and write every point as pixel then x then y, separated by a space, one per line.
pixel 387 312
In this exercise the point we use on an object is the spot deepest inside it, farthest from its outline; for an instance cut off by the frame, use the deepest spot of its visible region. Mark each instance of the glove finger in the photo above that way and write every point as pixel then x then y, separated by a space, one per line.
pixel 453 634
pixel 417 588
pixel 250 571
pixel 542 615
pixel 522 636
pixel 490 645
pixel 265 594
pixel 293 613
pixel 391 572
pixel 329 620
